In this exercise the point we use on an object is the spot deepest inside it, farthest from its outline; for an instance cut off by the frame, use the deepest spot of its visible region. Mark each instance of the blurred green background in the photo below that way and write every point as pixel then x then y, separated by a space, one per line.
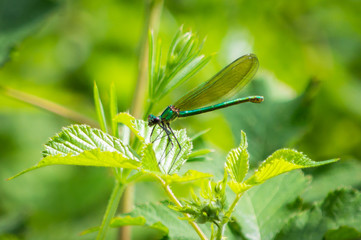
pixel 310 75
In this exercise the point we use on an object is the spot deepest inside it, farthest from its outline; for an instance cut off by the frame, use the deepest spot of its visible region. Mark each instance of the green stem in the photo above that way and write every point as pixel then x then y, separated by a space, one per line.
pixel 151 23
pixel 153 12
pixel 48 106
pixel 175 200
pixel 226 217
pixel 111 209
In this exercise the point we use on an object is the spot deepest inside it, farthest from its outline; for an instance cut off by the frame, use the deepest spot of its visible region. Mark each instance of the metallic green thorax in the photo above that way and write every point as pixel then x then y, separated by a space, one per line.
pixel 169 114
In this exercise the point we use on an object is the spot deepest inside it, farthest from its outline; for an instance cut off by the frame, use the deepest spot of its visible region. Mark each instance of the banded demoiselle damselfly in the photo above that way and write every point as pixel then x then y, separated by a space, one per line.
pixel 225 83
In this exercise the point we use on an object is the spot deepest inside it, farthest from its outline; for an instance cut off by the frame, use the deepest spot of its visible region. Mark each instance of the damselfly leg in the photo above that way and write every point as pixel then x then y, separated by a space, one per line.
pixel 168 133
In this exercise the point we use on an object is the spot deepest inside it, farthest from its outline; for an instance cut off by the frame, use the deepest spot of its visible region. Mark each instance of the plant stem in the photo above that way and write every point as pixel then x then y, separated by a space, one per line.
pixel 178 204
pixel 153 12
pixel 111 209
pixel 234 204
pixel 48 106
pixel 154 9
pixel 227 216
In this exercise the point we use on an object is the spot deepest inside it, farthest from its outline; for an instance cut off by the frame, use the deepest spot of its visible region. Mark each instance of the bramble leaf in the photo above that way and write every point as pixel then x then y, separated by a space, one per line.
pixel 136 126
pixel 168 155
pixel 85 146
pixel 159 216
pixel 281 161
pixel 127 220
pixel 190 175
pixel 238 187
pixel 262 211
pixel 237 161
pixel 149 161
pixel 339 211
pixel 119 222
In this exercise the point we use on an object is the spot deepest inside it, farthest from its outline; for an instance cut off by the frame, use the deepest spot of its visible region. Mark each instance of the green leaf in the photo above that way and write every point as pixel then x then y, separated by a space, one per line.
pixel 170 157
pixel 343 233
pixel 274 123
pixel 85 146
pixel 113 109
pixel 119 222
pixel 328 178
pixel 199 153
pixel 238 187
pixel 183 61
pixel 307 225
pixel 19 19
pixel 167 154
pixel 281 161
pixel 160 216
pixel 99 109
pixel 199 134
pixel 127 220
pixel 149 161
pixel 262 211
pixel 189 176
pixel 237 160
pixel 187 72
pixel 343 208
pixel 340 208
pixel 89 230
pixel 138 127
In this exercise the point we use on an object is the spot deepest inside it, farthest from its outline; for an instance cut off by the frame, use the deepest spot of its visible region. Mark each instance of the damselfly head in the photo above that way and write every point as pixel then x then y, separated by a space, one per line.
pixel 152 120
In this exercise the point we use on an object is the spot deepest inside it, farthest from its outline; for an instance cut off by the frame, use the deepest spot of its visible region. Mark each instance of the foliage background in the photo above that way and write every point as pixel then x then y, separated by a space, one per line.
pixel 56 49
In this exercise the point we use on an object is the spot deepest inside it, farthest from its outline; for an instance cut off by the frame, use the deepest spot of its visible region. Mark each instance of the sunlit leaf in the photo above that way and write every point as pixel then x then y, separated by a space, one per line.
pixel 167 152
pixel 271 125
pixel 169 155
pixel 237 160
pixel 127 220
pixel 199 153
pixel 149 161
pixel 99 109
pixel 281 161
pixel 86 146
pixel 238 187
pixel 190 175
pixel 136 126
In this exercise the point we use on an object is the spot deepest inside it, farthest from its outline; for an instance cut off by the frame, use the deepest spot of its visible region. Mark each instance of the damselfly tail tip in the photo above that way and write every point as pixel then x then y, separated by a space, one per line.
pixel 257 99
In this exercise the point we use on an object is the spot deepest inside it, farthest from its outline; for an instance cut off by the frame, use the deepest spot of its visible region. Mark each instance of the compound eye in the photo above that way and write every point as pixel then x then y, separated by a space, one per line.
pixel 153 120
